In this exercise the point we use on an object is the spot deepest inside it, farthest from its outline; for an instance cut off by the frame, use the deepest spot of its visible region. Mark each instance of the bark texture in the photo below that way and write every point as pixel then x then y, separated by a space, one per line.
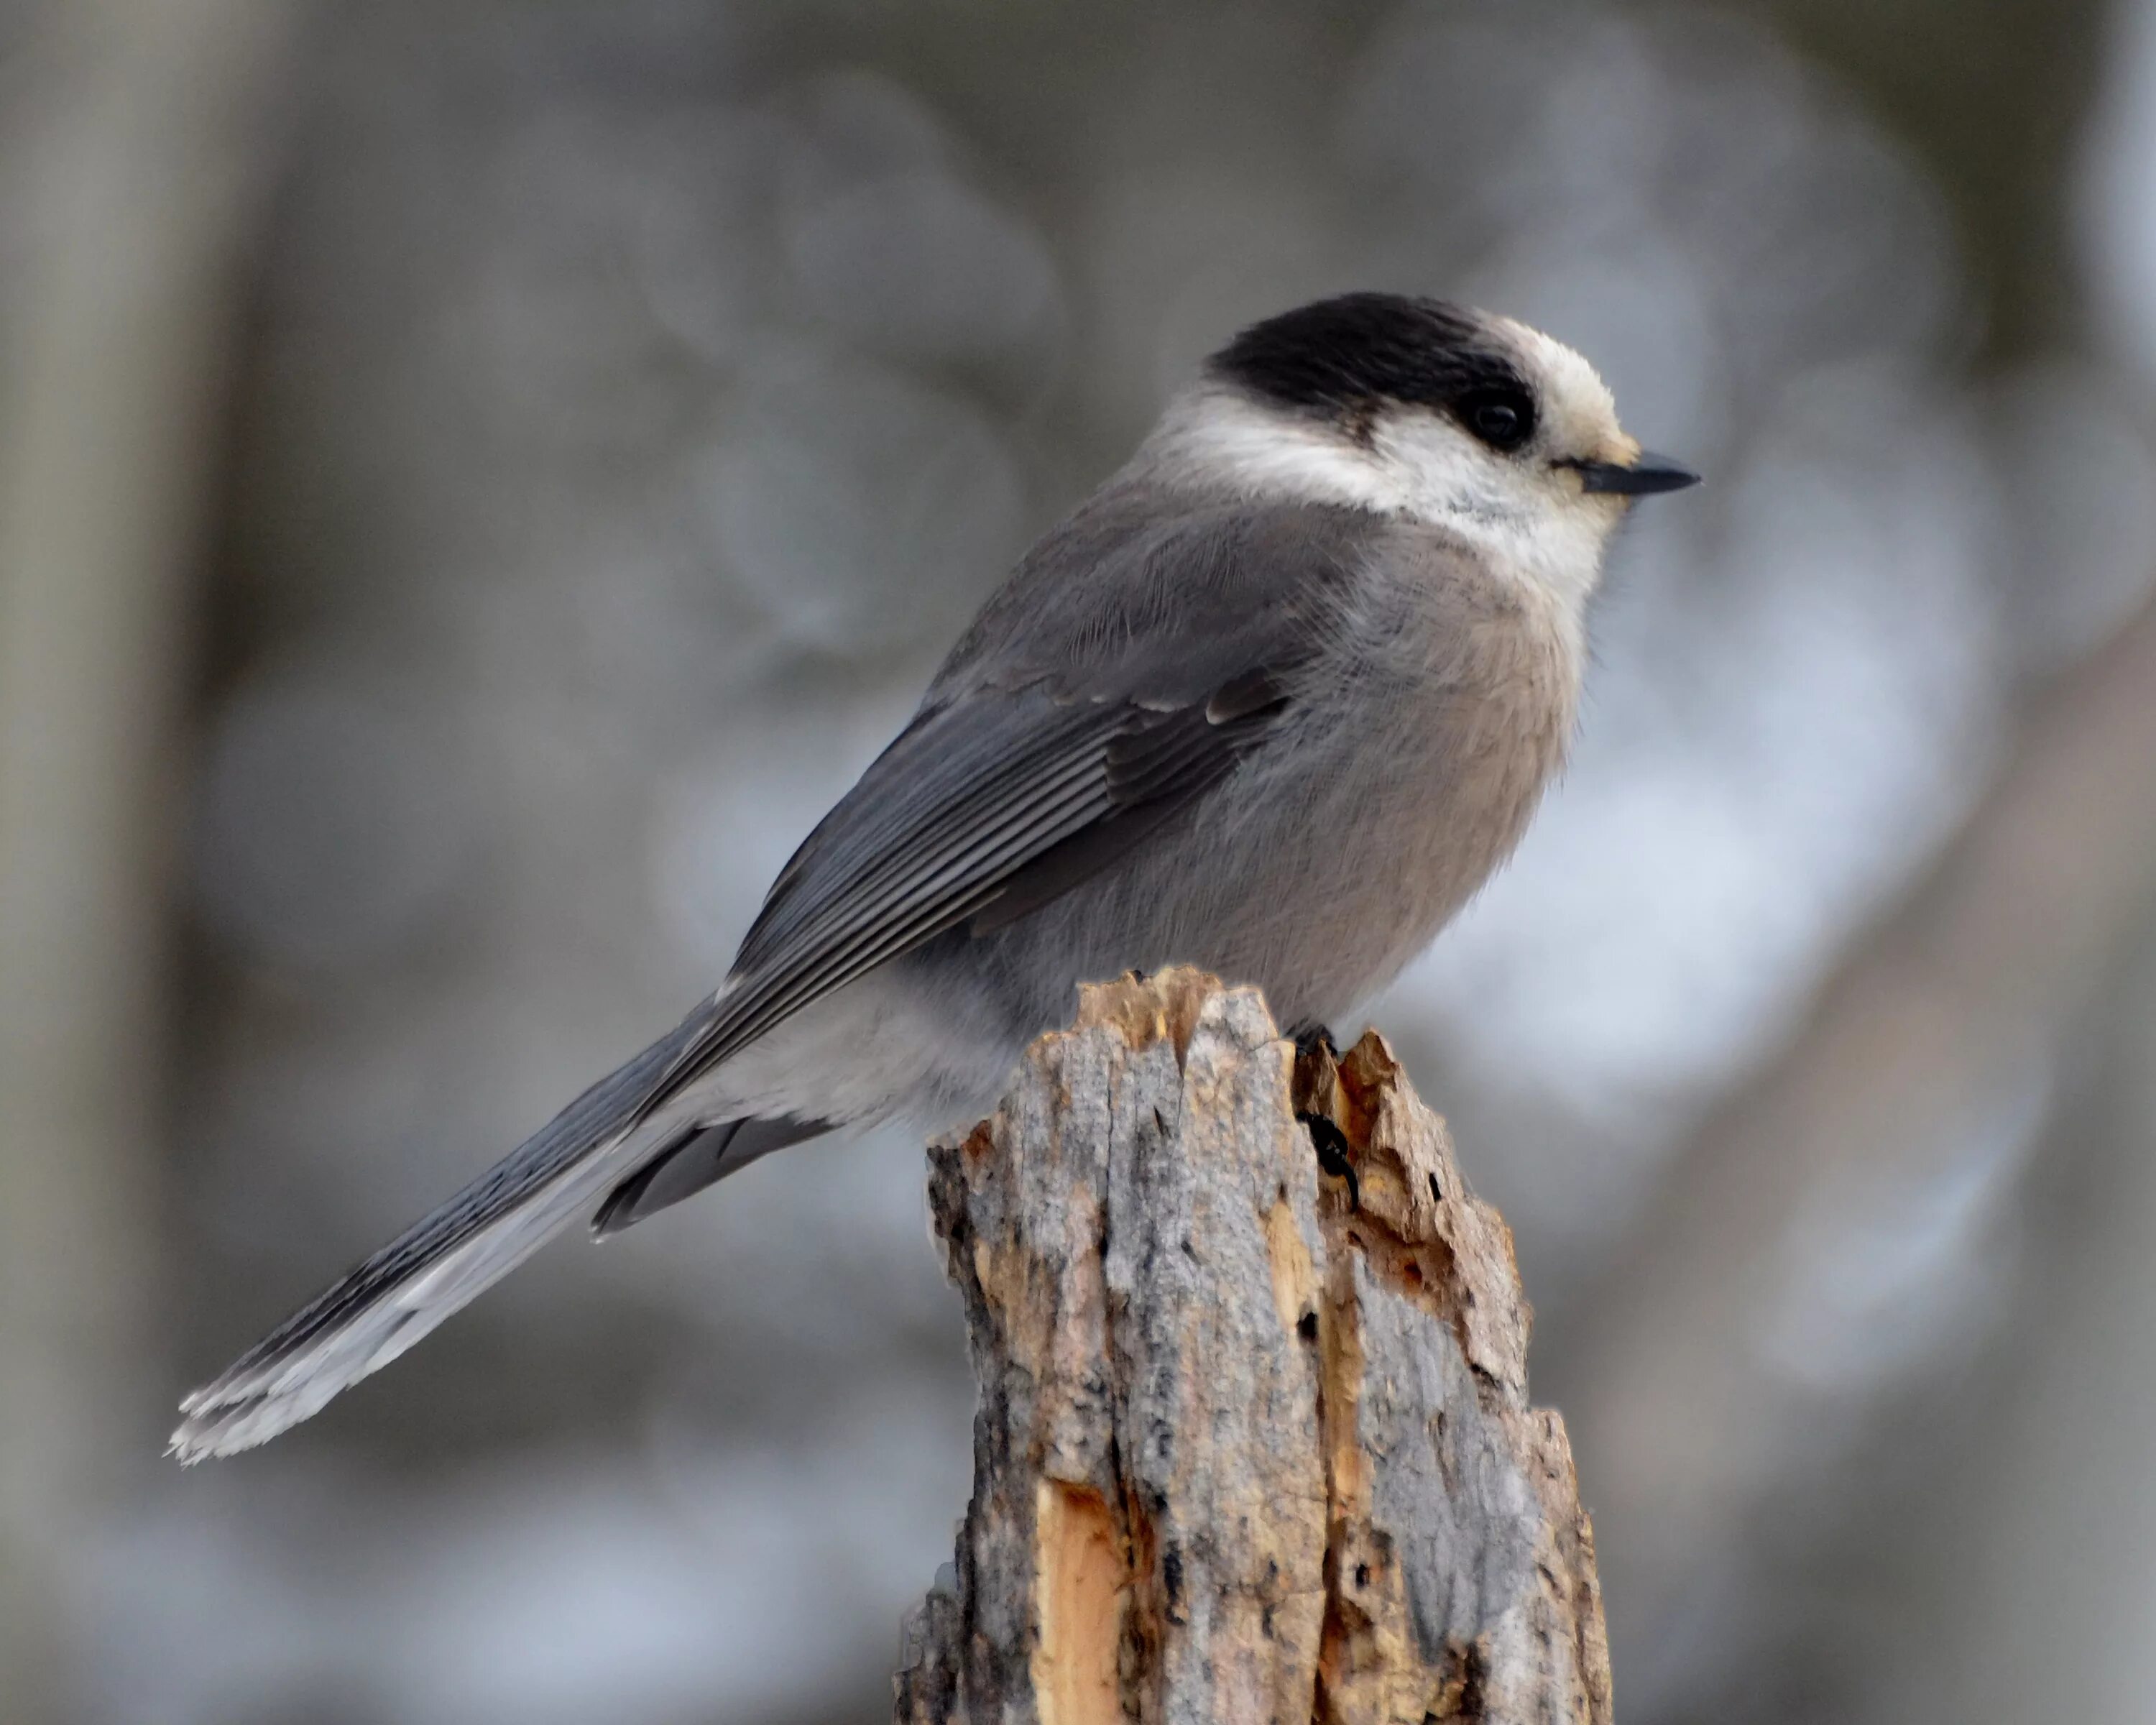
pixel 1253 1440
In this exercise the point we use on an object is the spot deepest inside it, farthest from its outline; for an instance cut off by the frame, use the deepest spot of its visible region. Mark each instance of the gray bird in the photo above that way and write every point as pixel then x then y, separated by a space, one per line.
pixel 1273 702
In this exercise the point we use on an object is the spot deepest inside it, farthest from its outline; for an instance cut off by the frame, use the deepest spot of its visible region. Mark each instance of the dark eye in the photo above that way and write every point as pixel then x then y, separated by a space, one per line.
pixel 1502 419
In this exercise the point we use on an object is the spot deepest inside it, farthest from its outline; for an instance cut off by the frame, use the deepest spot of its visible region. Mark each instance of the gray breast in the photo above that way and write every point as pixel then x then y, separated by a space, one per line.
pixel 1418 749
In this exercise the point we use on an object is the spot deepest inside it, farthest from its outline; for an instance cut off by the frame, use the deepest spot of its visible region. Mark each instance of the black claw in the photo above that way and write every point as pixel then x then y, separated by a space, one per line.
pixel 1331 1146
pixel 1311 1037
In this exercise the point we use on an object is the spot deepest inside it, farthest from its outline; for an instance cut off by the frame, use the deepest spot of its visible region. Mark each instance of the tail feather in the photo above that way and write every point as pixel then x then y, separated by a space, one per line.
pixel 683 1170
pixel 387 1303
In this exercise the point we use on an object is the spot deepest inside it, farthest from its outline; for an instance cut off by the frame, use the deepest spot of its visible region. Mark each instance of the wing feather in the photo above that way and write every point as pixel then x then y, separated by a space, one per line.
pixel 958 826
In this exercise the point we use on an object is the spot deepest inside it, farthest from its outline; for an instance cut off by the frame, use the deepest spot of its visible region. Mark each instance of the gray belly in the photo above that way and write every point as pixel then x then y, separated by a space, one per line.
pixel 1314 872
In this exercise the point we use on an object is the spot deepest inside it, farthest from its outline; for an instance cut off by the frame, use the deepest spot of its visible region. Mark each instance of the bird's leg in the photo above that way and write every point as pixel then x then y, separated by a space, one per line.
pixel 1317 1056
pixel 1330 1144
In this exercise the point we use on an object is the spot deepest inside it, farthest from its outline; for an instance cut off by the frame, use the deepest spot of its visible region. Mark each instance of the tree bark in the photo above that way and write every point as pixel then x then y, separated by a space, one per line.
pixel 1253 1440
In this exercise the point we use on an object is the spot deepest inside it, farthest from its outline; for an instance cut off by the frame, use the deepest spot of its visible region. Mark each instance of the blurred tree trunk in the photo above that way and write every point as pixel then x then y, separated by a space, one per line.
pixel 1992 99
pixel 130 162
pixel 1253 1444
pixel 1942 1034
pixel 2035 1607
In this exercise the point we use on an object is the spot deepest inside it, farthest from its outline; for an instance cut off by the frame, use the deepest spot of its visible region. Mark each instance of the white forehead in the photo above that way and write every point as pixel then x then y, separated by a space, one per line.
pixel 1578 409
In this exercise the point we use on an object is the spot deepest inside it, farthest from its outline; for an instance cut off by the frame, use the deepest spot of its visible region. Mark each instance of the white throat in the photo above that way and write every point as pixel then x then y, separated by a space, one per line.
pixel 1415 467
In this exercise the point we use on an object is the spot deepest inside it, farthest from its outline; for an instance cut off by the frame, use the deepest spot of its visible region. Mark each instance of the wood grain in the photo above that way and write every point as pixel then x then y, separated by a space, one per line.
pixel 1253 1440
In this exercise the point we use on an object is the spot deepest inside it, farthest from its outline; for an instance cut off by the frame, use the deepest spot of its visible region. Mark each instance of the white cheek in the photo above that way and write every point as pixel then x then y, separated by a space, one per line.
pixel 1535 526
pixel 1267 455
pixel 1440 472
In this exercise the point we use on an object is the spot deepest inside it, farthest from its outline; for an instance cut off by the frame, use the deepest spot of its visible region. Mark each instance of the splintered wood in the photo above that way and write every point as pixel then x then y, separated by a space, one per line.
pixel 1253 1440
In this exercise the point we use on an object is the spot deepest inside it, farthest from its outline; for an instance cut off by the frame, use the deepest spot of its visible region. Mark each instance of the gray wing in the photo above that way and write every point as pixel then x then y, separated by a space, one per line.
pixel 1039 759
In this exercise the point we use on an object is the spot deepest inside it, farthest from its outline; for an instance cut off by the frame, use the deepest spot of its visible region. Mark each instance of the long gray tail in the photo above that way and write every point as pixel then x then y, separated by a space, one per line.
pixel 389 1301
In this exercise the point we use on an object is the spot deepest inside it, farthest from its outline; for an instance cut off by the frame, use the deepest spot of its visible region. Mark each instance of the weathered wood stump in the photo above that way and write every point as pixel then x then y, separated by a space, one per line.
pixel 1253 1440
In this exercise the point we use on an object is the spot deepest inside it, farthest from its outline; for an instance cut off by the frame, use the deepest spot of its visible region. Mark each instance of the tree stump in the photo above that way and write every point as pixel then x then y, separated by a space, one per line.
pixel 1253 1440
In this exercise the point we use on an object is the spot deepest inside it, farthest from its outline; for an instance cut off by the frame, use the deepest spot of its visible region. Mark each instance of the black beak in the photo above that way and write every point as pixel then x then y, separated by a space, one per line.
pixel 1649 475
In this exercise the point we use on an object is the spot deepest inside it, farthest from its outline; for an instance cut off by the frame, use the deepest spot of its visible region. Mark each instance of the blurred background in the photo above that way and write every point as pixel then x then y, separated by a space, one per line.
pixel 478 480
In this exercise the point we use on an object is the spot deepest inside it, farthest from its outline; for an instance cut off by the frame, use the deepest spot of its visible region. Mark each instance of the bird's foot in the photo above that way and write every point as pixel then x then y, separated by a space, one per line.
pixel 1330 1144
pixel 1309 1038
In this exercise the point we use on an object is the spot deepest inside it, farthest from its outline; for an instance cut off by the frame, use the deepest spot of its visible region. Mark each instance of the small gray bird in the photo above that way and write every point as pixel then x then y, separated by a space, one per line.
pixel 1273 702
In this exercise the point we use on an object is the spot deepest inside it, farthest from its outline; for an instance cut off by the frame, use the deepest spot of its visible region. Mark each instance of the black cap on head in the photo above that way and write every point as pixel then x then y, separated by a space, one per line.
pixel 1348 356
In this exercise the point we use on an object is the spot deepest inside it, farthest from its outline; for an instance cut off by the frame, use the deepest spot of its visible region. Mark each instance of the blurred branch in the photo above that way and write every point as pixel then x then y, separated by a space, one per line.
pixel 1937 1038
pixel 1251 1444
pixel 130 171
